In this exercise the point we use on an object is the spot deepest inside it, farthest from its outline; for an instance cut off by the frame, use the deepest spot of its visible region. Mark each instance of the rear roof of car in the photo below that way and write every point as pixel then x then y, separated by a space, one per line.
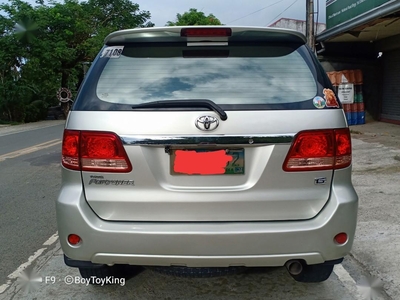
pixel 173 34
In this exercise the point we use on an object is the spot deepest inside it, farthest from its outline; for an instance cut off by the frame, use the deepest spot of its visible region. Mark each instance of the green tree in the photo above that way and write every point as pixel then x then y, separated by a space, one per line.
pixel 194 17
pixel 11 60
pixel 50 43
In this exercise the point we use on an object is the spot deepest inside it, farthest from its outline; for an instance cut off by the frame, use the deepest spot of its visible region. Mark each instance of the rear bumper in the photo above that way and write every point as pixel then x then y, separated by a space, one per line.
pixel 221 244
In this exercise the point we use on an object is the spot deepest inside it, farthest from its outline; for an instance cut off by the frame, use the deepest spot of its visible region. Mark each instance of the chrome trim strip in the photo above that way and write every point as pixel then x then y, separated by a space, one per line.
pixel 148 140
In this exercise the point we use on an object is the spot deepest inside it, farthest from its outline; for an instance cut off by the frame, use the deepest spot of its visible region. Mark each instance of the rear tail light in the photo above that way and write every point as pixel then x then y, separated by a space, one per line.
pixel 70 149
pixel 343 148
pixel 94 151
pixel 206 32
pixel 319 150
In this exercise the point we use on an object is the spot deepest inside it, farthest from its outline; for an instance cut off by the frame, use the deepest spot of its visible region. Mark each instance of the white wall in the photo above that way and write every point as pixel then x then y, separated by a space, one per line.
pixel 297 25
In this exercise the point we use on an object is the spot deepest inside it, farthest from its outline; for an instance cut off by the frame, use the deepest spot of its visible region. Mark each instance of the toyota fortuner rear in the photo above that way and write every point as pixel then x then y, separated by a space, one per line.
pixel 207 147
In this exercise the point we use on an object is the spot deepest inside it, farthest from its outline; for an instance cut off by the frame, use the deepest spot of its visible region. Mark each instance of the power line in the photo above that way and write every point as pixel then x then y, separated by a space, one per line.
pixel 254 12
pixel 281 12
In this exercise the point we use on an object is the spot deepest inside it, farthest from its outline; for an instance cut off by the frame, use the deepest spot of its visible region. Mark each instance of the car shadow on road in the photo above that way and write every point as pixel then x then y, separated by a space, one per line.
pixel 45 160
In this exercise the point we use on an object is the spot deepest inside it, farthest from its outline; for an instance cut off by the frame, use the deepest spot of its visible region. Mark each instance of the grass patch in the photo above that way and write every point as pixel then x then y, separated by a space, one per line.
pixel 2 122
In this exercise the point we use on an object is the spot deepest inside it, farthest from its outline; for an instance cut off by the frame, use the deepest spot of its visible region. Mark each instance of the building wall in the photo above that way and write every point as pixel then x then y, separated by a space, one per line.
pixel 391 88
pixel 297 25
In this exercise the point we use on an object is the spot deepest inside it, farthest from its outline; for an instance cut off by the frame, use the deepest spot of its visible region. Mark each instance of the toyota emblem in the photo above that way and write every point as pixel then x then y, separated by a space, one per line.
pixel 206 123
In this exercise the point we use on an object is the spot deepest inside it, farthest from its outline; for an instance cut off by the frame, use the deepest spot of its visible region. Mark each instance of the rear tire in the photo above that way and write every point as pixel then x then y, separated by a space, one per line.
pixel 314 273
pixel 197 272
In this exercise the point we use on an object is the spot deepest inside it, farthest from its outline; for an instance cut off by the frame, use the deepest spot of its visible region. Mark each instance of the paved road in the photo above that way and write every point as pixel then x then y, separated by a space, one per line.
pixel 12 139
pixel 29 183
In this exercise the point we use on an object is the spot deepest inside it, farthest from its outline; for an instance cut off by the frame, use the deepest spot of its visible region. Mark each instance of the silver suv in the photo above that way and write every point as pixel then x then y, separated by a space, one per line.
pixel 200 150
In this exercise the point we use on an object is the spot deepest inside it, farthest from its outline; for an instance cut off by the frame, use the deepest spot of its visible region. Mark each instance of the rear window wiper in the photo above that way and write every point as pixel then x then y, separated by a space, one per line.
pixel 185 103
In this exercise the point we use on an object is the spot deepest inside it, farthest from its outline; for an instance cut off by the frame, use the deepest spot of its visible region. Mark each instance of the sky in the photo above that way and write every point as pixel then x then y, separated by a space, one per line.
pixel 232 12
pixel 229 12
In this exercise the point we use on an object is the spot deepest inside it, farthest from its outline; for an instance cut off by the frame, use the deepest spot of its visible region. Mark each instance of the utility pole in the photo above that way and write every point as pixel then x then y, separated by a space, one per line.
pixel 310 24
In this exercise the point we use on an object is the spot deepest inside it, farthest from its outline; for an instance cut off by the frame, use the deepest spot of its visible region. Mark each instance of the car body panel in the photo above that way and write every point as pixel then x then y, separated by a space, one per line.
pixel 206 244
pixel 173 33
pixel 266 191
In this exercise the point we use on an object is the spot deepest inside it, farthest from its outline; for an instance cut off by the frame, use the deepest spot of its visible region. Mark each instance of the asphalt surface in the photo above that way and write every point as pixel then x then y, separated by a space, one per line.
pixel 257 284
pixel 376 177
pixel 12 139
pixel 30 182
pixel 28 187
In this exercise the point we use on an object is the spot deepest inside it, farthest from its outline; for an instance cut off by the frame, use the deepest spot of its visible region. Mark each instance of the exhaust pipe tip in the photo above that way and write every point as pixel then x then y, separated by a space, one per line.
pixel 294 267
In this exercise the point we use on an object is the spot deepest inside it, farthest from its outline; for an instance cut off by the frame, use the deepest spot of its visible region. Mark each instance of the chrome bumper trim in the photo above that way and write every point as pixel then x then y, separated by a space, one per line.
pixel 207 139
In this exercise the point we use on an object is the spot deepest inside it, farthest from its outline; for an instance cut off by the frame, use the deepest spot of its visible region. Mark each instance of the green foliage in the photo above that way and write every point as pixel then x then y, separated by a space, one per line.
pixel 37 110
pixel 2 122
pixel 194 17
pixel 42 48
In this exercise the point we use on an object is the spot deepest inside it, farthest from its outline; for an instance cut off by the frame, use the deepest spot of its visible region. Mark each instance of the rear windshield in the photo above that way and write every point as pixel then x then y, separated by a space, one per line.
pixel 228 75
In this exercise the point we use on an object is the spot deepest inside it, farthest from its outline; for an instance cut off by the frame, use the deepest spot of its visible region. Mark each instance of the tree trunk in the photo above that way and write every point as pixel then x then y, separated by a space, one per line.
pixel 64 83
pixel 9 115
pixel 64 78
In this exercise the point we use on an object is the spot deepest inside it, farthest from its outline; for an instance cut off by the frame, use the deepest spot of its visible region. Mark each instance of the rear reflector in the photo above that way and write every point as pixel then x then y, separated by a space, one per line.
pixel 94 151
pixel 341 238
pixel 74 239
pixel 319 150
pixel 206 32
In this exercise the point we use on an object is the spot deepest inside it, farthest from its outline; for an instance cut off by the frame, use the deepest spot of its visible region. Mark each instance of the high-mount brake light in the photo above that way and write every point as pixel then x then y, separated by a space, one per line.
pixel 94 151
pixel 314 150
pixel 206 32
